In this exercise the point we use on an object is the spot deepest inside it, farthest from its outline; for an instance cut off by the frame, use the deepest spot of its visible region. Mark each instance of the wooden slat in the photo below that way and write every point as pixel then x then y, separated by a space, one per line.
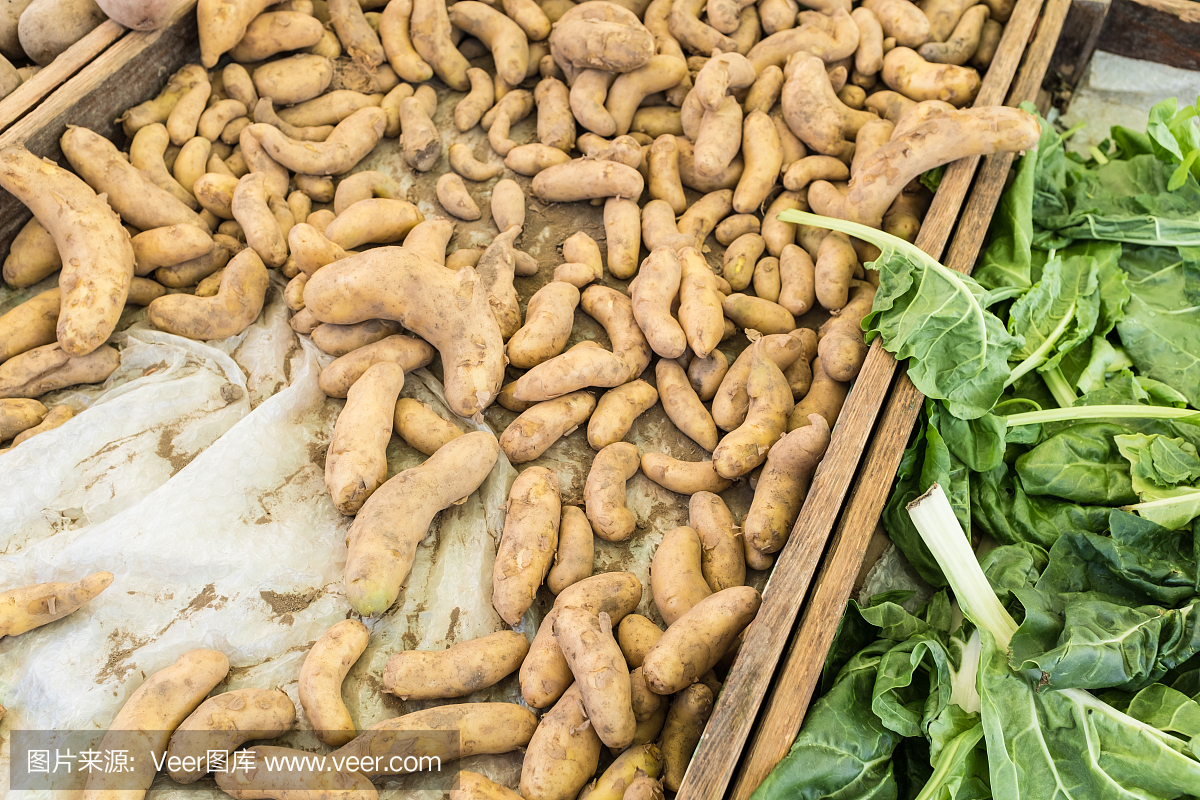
pixel 1078 40
pixel 133 69
pixel 1166 31
pixel 802 664
pixel 716 757
pixel 53 75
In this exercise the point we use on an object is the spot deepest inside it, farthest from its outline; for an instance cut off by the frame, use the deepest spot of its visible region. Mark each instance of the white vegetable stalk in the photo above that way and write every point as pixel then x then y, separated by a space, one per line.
pixel 935 521
pixel 1100 412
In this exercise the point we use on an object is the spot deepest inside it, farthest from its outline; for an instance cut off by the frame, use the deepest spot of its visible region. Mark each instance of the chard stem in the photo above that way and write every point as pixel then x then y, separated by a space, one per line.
pixel 1064 395
pixel 1102 412
pixel 1039 356
pixel 934 519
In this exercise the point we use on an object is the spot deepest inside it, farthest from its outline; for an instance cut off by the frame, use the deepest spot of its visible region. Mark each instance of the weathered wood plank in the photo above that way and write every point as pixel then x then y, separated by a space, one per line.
pixel 1166 31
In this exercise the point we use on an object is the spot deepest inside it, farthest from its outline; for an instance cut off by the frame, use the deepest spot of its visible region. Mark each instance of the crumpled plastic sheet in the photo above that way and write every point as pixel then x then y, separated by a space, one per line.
pixel 195 474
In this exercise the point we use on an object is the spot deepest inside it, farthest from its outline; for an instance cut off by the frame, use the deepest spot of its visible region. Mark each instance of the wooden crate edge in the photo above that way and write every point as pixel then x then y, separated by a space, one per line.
pixel 132 68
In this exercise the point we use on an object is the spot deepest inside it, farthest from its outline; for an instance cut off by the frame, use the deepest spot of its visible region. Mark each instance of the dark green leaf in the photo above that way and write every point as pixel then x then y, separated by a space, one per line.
pixel 1081 464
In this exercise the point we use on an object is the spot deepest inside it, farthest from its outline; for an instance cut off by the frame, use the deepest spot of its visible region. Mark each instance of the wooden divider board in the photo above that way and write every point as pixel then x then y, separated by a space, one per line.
pixel 801 666
pixel 717 755
pixel 133 68
pixel 26 96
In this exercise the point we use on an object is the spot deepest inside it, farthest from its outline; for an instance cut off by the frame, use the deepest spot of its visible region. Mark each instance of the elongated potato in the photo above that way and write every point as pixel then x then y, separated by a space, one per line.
pixel 746 447
pixel 683 477
pixel 30 607
pixel 682 730
pixel 576 551
pixel 351 140
pixel 824 398
pixel 722 556
pixel 683 406
pixel 47 368
pixel 532 433
pixel 340 340
pixel 357 461
pixel 616 411
pixel 97 255
pixel 222 724
pixel 595 659
pixel 604 492
pixel 700 311
pixel 159 108
pixel 355 33
pixel 622 229
pixel 654 290
pixel 468 729
pixel 458 671
pixel 151 714
pixel 395 36
pixel 783 484
pixel 699 639
pixel 548 321
pixel 430 31
pixel 676 576
pixel 503 36
pixel 31 256
pixel 321 676
pixel 545 674
pixel 138 201
pixel 528 543
pixel 251 209
pixel 583 179
pixel 165 247
pixel 235 307
pixel 384 536
pixel 374 221
pixel 563 753
pixel 421 427
pixel 450 310
pixel 406 351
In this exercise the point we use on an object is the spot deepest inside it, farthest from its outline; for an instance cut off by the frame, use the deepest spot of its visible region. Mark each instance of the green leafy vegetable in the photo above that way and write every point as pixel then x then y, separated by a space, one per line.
pixel 918 304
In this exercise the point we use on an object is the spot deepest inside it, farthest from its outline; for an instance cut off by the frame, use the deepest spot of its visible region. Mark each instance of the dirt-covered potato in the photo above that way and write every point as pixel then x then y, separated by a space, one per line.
pixel 699 639
pixel 457 671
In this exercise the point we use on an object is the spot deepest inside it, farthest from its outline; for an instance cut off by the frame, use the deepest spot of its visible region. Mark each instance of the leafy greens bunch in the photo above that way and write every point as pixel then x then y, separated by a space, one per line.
pixel 1061 383
pixel 997 701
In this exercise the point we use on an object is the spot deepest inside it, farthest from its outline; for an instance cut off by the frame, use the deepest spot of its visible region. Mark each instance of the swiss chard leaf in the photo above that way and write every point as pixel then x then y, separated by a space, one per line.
pixel 1168 710
pixel 934 317
pixel 1161 327
pixel 1081 464
pixel 1057 314
pixel 1067 745
pixel 843 751
pixel 1005 266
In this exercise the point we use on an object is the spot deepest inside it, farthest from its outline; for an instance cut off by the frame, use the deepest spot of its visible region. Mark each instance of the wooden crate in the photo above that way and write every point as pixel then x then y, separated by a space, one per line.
pixel 1166 31
pixel 741 745
pixel 130 68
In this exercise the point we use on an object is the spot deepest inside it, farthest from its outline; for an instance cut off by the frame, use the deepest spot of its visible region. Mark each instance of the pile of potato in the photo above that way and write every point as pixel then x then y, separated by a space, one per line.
pixel 693 115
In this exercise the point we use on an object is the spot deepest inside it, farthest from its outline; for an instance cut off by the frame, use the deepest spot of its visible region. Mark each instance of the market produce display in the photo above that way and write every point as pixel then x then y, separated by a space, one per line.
pixel 1057 655
pixel 251 187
